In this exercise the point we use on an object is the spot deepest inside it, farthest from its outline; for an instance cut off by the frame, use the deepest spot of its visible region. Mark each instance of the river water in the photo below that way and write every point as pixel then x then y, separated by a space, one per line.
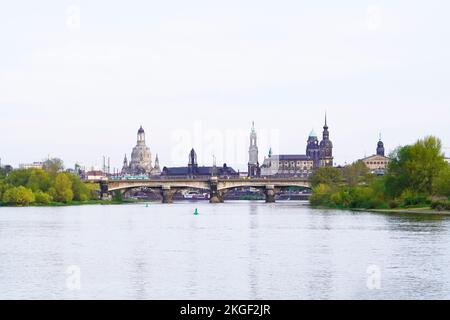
pixel 235 250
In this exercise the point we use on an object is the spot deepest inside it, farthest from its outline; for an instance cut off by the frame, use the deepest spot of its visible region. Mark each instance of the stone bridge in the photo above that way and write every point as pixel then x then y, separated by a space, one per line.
pixel 216 186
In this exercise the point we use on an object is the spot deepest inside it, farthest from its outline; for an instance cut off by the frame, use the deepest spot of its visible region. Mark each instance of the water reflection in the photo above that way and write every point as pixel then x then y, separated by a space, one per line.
pixel 242 250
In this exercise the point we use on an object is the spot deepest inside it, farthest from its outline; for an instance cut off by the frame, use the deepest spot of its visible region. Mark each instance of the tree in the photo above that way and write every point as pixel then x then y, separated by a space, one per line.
pixel 20 196
pixel 42 197
pixel 39 180
pixel 80 191
pixel 53 166
pixel 18 177
pixel 63 188
pixel 415 167
pixel 5 170
pixel 441 185
pixel 326 175
pixel 355 173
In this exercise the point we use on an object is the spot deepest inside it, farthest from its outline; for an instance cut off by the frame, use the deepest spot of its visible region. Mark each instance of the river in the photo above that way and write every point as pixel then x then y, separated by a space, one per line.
pixel 234 250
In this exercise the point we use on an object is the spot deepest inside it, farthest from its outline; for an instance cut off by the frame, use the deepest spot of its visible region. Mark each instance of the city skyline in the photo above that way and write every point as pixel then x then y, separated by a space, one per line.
pixel 77 84
pixel 104 159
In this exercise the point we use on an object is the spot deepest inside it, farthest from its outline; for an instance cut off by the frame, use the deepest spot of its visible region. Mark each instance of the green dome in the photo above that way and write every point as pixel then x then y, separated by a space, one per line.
pixel 312 134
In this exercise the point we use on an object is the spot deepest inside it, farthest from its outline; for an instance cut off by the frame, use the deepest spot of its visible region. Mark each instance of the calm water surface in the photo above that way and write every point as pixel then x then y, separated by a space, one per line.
pixel 236 250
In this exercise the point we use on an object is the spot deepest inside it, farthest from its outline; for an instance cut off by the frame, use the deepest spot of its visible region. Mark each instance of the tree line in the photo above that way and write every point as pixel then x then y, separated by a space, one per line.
pixel 417 176
pixel 49 185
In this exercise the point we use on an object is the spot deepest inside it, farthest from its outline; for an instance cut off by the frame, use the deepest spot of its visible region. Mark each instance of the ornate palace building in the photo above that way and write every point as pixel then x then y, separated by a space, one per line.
pixel 141 159
pixel 318 154
pixel 378 162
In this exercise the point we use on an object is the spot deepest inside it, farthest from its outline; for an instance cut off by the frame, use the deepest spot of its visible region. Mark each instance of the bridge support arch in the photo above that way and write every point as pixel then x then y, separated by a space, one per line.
pixel 167 194
pixel 104 191
pixel 215 195
pixel 270 193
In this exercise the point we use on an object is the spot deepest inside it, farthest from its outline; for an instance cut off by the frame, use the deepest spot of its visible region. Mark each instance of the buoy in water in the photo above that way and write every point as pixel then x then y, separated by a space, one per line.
pixel 146 205
pixel 196 212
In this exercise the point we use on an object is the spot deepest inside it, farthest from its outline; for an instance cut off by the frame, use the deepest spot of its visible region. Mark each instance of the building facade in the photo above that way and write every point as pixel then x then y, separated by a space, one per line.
pixel 193 170
pixel 283 165
pixel 318 154
pixel 34 165
pixel 378 162
pixel 141 159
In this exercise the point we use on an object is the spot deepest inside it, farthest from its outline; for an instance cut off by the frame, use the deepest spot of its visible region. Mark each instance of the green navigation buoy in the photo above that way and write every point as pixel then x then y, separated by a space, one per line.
pixel 196 212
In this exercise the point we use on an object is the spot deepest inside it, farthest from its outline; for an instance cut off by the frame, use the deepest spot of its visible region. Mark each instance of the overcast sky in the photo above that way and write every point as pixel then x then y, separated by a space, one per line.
pixel 78 78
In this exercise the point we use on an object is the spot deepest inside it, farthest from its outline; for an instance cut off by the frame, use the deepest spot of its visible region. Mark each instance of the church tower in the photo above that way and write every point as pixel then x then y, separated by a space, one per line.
pixel 312 149
pixel 326 147
pixel 125 167
pixel 192 165
pixel 380 148
pixel 253 163
pixel 156 169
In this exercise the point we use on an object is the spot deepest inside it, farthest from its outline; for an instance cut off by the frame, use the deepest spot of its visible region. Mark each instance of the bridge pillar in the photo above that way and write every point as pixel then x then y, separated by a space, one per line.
pixel 167 194
pixel 270 193
pixel 215 195
pixel 104 190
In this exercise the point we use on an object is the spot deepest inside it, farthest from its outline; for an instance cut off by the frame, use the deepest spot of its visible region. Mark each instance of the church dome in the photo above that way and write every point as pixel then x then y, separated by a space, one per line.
pixel 380 144
pixel 141 130
pixel 312 134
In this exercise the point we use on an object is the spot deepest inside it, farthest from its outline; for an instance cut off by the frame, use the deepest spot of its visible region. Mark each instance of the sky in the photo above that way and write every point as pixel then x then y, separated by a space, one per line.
pixel 78 78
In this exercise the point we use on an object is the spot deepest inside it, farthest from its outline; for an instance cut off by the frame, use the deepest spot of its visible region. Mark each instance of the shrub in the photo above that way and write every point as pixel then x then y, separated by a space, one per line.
pixel 43 198
pixel 441 205
pixel 320 195
pixel 63 186
pixel 19 196
pixel 393 203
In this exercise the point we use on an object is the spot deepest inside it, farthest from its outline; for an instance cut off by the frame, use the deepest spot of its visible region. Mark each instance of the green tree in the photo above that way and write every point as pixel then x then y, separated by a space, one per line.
pixel 20 196
pixel 441 185
pixel 3 187
pixel 80 190
pixel 42 197
pixel 39 180
pixel 117 196
pixel 320 195
pixel 326 175
pixel 355 173
pixel 53 166
pixel 5 170
pixel 415 167
pixel 18 177
pixel 63 188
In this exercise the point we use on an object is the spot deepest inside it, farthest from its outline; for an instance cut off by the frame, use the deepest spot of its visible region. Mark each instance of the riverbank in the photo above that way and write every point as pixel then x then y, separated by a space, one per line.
pixel 425 210
pixel 416 210
pixel 72 203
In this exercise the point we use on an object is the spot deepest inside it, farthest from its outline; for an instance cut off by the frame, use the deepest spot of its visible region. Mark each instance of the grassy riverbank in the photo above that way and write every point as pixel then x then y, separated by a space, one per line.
pixel 72 203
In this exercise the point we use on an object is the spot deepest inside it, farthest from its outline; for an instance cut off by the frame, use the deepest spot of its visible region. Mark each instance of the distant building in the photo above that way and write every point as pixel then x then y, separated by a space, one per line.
pixel 141 159
pixel 287 166
pixel 94 175
pixel 34 165
pixel 318 154
pixel 253 162
pixel 194 171
pixel 378 162
pixel 448 160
